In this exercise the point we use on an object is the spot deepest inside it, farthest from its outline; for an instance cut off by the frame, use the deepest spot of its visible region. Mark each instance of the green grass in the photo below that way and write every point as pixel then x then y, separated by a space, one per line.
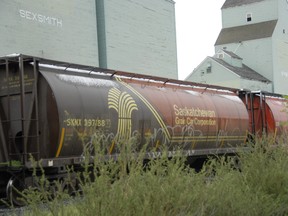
pixel 168 187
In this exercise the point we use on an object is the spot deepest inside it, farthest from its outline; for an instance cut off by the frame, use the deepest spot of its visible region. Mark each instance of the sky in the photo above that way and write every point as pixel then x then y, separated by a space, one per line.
pixel 198 24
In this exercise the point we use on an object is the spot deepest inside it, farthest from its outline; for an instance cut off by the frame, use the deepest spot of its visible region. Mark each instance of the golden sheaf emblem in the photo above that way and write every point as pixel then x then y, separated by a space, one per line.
pixel 124 105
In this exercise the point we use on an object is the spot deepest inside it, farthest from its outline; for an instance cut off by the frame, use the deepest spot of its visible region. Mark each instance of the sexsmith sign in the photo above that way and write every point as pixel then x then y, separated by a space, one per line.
pixel 40 18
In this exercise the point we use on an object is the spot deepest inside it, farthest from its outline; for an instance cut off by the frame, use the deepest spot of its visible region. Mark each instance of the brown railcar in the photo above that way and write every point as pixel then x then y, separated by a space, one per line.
pixel 53 112
pixel 57 112
pixel 268 114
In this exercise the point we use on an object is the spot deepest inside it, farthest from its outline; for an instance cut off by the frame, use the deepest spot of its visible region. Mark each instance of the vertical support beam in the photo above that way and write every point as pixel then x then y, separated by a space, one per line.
pixel 246 102
pixel 36 69
pixel 261 112
pixel 101 29
pixel 252 112
pixel 264 112
pixel 22 100
pixel 8 110
pixel 29 120
pixel 3 148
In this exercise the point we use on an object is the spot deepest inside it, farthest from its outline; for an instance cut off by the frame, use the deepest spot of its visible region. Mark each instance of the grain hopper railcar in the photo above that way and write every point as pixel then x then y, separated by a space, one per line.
pixel 54 112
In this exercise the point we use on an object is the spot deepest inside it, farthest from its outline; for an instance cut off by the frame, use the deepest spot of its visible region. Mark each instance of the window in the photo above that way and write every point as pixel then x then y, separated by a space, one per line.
pixel 208 68
pixel 249 17
pixel 220 55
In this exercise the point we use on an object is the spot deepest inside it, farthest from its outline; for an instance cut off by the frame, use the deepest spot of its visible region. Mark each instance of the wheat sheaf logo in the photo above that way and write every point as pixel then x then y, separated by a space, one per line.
pixel 124 105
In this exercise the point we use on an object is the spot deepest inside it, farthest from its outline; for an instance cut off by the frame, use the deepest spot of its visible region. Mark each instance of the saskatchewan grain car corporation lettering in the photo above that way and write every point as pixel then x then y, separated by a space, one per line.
pixel 40 18
pixel 194 116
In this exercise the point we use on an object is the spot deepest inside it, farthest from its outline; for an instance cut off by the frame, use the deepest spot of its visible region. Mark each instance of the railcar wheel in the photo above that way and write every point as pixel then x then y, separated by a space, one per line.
pixel 14 191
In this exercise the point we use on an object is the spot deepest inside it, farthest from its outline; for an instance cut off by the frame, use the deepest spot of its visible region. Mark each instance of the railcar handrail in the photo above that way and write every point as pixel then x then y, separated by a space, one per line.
pixel 65 66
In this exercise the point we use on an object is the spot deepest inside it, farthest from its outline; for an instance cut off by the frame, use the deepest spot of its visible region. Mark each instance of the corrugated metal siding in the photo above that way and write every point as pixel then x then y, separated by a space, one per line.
pixel 223 74
pixel 280 51
pixel 262 43
pixel 141 36
pixel 129 35
pixel 60 30
pixel 259 12
pixel 281 67
pixel 218 75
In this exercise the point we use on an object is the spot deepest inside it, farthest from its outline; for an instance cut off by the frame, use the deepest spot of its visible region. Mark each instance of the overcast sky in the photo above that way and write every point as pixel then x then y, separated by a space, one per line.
pixel 198 24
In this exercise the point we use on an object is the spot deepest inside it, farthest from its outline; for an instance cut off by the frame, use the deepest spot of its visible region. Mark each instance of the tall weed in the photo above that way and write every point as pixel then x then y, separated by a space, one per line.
pixel 166 186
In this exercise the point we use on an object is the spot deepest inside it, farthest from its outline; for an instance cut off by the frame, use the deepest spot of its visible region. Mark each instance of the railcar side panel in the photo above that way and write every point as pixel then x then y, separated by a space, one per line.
pixel 110 110
pixel 277 116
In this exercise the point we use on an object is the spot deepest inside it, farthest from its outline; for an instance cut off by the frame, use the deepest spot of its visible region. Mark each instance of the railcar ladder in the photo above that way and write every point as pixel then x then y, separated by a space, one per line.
pixel 261 117
pixel 18 146
pixel 263 113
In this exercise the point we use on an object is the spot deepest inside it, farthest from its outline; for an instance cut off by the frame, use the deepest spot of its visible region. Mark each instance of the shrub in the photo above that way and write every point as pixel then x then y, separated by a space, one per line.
pixel 166 186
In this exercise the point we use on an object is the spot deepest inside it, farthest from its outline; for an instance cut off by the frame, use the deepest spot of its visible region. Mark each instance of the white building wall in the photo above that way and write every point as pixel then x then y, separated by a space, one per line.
pixel 268 56
pixel 255 85
pixel 257 54
pixel 140 36
pixel 218 75
pixel 223 77
pixel 280 50
pixel 128 35
pixel 280 59
pixel 261 12
pixel 58 30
